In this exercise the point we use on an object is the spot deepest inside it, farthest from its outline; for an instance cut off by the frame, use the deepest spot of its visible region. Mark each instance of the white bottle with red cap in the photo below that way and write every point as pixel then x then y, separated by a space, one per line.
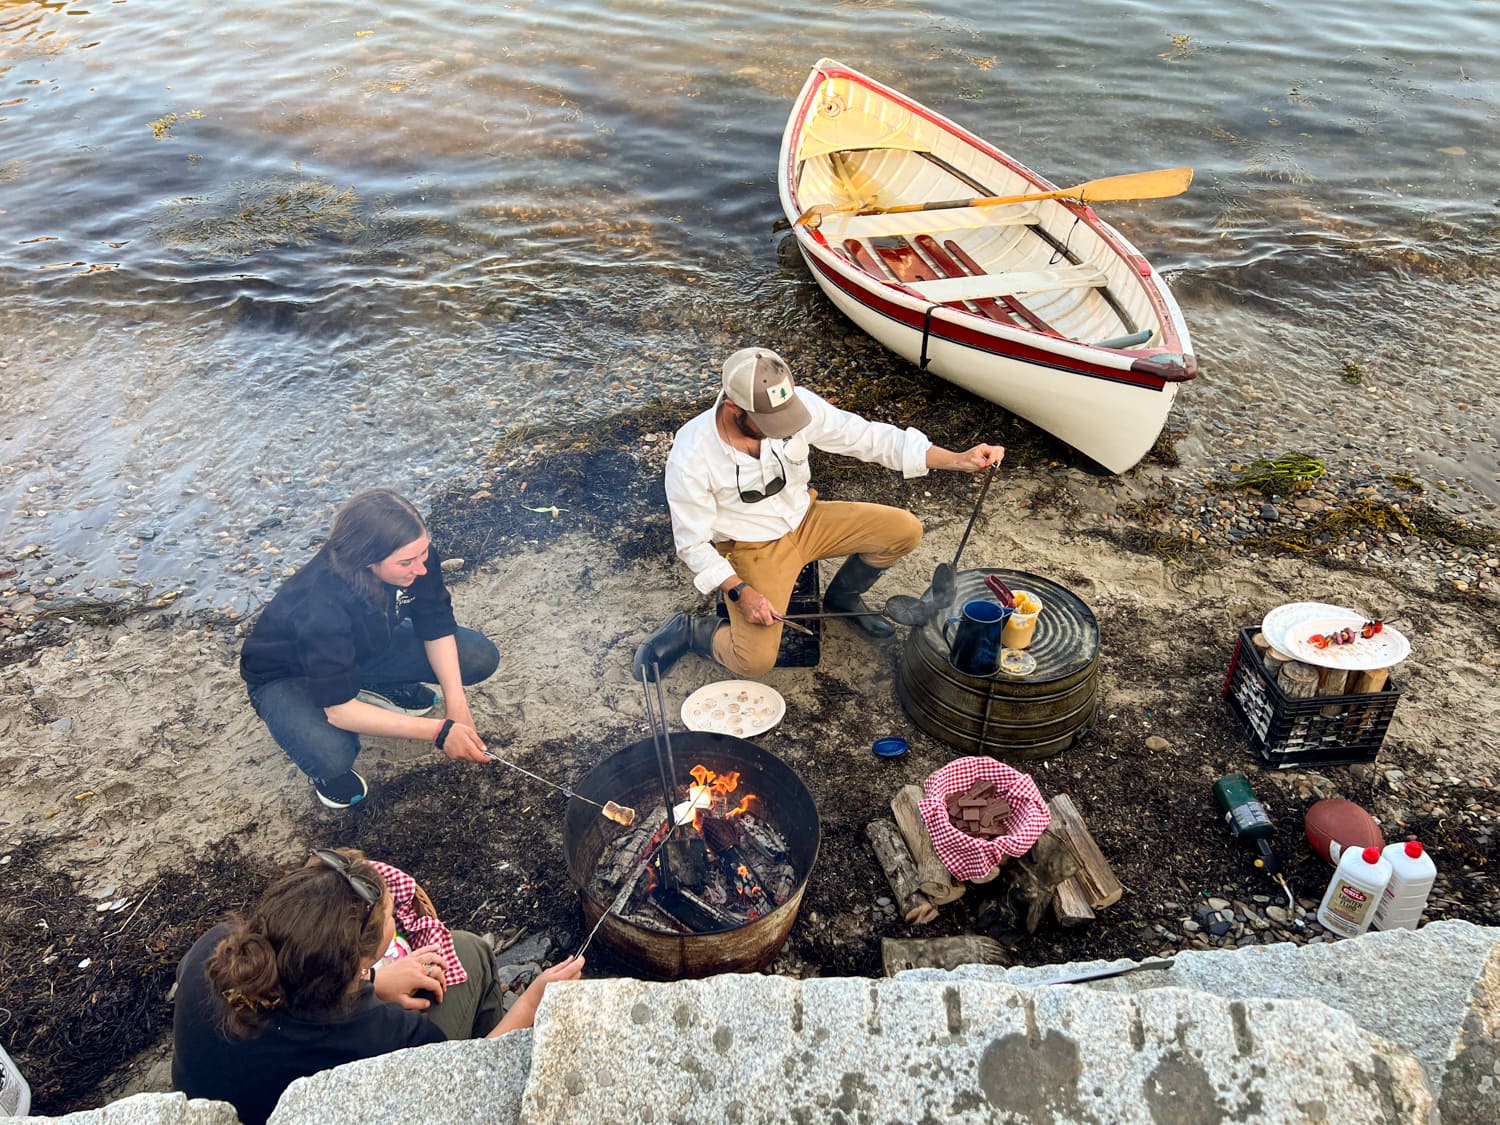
pixel 1354 892
pixel 1405 897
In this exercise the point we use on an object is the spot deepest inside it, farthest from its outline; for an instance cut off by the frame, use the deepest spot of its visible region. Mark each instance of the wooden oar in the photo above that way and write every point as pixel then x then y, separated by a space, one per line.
pixel 1159 184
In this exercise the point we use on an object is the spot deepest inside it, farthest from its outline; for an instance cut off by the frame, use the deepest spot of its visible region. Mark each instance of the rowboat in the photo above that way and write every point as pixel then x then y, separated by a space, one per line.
pixel 1038 305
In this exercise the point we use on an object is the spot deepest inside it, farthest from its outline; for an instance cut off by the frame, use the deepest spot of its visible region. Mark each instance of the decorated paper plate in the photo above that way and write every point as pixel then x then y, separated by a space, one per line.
pixel 1275 628
pixel 742 708
pixel 1362 654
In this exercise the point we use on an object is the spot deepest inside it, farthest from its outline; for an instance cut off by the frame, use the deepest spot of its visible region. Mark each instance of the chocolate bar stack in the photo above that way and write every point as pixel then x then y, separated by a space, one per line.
pixel 979 811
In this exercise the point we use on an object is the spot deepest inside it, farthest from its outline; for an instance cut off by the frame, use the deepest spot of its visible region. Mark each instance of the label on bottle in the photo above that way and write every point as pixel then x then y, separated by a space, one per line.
pixel 1246 817
pixel 1350 904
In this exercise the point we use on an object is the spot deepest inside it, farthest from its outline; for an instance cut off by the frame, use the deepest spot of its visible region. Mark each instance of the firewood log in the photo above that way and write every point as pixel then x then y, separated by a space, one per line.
pixel 897 954
pixel 900 871
pixel 933 879
pixel 1095 875
pixel 1298 680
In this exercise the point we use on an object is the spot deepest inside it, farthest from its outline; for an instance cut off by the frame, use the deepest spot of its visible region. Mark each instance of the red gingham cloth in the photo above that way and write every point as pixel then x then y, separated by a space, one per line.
pixel 421 931
pixel 968 857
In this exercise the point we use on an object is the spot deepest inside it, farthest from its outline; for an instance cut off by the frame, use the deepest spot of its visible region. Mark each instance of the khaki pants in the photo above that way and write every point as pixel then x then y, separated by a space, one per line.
pixel 829 530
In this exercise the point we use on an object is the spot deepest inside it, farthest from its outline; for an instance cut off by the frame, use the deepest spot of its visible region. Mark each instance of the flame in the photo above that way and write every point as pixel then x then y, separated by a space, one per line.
pixel 743 806
pixel 716 787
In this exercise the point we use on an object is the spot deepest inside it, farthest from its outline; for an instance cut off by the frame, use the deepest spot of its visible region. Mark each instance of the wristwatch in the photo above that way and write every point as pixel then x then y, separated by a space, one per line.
pixel 733 594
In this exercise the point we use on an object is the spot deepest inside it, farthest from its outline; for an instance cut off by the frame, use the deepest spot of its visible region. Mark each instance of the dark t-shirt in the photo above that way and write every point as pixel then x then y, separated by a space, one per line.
pixel 320 627
pixel 251 1074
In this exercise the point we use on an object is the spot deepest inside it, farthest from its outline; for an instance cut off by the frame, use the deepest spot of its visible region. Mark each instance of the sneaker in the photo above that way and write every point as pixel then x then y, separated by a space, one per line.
pixel 410 699
pixel 342 791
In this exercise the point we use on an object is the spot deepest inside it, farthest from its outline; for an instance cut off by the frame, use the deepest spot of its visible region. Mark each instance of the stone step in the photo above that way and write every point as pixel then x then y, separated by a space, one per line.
pixel 1435 991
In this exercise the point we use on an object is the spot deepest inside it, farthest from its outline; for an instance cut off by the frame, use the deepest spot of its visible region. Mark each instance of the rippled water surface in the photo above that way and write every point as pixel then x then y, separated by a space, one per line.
pixel 254 258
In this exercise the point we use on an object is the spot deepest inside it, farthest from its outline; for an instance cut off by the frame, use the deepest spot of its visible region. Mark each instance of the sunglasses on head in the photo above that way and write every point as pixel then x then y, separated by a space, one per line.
pixel 771 489
pixel 367 891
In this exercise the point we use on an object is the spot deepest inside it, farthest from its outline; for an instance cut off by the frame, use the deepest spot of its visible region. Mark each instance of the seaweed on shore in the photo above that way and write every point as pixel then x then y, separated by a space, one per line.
pixel 1291 472
pixel 81 990
pixel 1340 525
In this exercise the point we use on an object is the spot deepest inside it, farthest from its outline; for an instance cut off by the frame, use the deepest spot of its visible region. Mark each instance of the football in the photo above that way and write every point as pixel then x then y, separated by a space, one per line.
pixel 1337 820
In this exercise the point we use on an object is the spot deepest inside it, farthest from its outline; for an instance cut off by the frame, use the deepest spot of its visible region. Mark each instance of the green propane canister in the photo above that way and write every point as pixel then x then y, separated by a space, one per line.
pixel 1247 819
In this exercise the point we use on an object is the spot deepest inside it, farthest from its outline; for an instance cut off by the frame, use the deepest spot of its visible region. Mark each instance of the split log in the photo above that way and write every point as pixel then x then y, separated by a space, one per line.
pixel 900 871
pixel 1332 681
pixel 1071 903
pixel 699 915
pixel 933 879
pixel 1097 878
pixel 1367 683
pixel 1262 646
pixel 1299 680
pixel 897 954
pixel 1028 892
pixel 1274 660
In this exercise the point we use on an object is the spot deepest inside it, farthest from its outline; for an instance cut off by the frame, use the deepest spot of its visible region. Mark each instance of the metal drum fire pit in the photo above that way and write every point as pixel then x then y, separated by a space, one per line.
pixel 631 777
pixel 1020 718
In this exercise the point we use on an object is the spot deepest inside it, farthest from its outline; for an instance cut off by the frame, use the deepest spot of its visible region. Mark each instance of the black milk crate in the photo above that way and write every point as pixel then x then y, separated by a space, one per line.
pixel 1325 730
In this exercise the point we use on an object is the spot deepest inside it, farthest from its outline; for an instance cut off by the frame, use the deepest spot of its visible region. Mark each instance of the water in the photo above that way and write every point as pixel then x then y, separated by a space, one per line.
pixel 256 258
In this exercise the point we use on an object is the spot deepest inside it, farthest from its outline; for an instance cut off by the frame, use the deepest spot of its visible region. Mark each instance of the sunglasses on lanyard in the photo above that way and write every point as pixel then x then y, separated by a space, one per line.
pixel 775 486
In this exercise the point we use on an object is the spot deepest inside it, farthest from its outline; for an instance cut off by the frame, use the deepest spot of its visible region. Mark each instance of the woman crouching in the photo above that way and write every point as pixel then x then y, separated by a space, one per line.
pixel 290 990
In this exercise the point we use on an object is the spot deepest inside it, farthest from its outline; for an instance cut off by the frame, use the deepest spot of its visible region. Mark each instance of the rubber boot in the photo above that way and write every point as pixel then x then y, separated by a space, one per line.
pixel 677 635
pixel 843 596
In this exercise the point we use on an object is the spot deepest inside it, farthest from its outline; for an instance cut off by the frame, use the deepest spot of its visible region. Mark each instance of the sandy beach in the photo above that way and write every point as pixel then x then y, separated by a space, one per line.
pixel 136 765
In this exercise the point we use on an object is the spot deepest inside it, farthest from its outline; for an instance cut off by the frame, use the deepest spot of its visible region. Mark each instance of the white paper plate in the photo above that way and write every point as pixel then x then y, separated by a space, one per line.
pixel 1384 649
pixel 742 708
pixel 1291 616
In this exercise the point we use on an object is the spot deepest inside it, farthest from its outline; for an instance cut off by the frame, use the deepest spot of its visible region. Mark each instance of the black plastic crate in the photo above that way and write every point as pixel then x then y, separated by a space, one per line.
pixel 798 650
pixel 1324 730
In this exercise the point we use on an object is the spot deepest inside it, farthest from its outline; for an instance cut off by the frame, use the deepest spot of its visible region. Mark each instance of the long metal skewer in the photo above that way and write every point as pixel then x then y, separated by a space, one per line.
pixel 560 788
pixel 656 732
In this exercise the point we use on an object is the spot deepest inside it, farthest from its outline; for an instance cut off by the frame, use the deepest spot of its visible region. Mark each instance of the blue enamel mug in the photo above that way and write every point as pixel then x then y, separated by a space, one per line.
pixel 974 647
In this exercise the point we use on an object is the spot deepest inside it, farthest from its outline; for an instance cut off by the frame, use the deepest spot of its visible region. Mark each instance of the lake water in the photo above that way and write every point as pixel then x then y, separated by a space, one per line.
pixel 257 257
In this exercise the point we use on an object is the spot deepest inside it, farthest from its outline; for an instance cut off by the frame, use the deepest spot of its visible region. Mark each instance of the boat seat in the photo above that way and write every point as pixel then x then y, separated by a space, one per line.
pixel 838 227
pixel 1005 284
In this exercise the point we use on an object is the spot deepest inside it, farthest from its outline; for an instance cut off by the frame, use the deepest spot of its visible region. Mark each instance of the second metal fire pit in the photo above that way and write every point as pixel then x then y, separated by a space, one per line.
pixel 630 777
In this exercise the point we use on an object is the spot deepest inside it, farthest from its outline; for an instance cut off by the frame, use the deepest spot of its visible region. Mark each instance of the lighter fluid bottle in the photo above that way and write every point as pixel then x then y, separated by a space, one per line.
pixel 1405 897
pixel 1354 892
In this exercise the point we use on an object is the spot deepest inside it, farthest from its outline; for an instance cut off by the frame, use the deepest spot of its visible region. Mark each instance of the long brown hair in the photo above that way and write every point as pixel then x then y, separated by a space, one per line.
pixel 367 529
pixel 301 947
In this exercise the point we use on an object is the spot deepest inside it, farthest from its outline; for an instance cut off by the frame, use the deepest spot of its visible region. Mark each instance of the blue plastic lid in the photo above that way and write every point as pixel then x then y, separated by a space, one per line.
pixel 890 747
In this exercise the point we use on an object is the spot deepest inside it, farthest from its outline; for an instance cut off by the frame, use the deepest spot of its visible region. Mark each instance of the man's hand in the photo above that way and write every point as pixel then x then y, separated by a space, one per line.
pixel 756 607
pixel 421 970
pixel 969 461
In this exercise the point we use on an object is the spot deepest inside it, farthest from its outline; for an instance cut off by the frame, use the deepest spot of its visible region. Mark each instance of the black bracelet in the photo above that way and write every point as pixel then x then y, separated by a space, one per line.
pixel 372 974
pixel 442 734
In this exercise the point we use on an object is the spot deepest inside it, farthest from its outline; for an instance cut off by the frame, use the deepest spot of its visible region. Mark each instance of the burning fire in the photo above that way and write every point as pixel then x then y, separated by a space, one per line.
pixel 710 792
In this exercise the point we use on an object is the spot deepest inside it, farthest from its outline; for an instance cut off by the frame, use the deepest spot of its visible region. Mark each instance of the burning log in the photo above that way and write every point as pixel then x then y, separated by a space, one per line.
pixel 697 913
pixel 725 838
pixel 900 871
pixel 933 877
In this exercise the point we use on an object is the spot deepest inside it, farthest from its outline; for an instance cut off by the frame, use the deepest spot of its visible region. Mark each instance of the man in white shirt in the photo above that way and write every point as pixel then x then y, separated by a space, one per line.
pixel 745 521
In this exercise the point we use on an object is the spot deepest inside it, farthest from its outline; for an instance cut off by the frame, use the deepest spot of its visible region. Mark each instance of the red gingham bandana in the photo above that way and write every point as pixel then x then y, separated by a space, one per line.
pixel 421 931
pixel 968 857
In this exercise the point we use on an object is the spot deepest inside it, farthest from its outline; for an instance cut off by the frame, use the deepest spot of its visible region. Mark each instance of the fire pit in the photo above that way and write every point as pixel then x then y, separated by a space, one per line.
pixel 732 885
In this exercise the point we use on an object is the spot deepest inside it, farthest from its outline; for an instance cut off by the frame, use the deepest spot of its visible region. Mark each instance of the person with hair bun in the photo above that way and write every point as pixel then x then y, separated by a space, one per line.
pixel 291 989
pixel 349 643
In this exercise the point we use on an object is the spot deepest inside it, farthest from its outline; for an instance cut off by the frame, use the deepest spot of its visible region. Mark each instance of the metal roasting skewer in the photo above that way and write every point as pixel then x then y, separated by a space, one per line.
pixel 610 809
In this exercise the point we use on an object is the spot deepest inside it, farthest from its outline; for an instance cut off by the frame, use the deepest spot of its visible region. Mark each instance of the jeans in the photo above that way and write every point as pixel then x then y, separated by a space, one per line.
pixel 323 751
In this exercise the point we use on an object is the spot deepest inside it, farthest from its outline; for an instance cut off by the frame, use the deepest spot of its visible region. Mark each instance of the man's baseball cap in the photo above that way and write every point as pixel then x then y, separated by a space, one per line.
pixel 759 382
